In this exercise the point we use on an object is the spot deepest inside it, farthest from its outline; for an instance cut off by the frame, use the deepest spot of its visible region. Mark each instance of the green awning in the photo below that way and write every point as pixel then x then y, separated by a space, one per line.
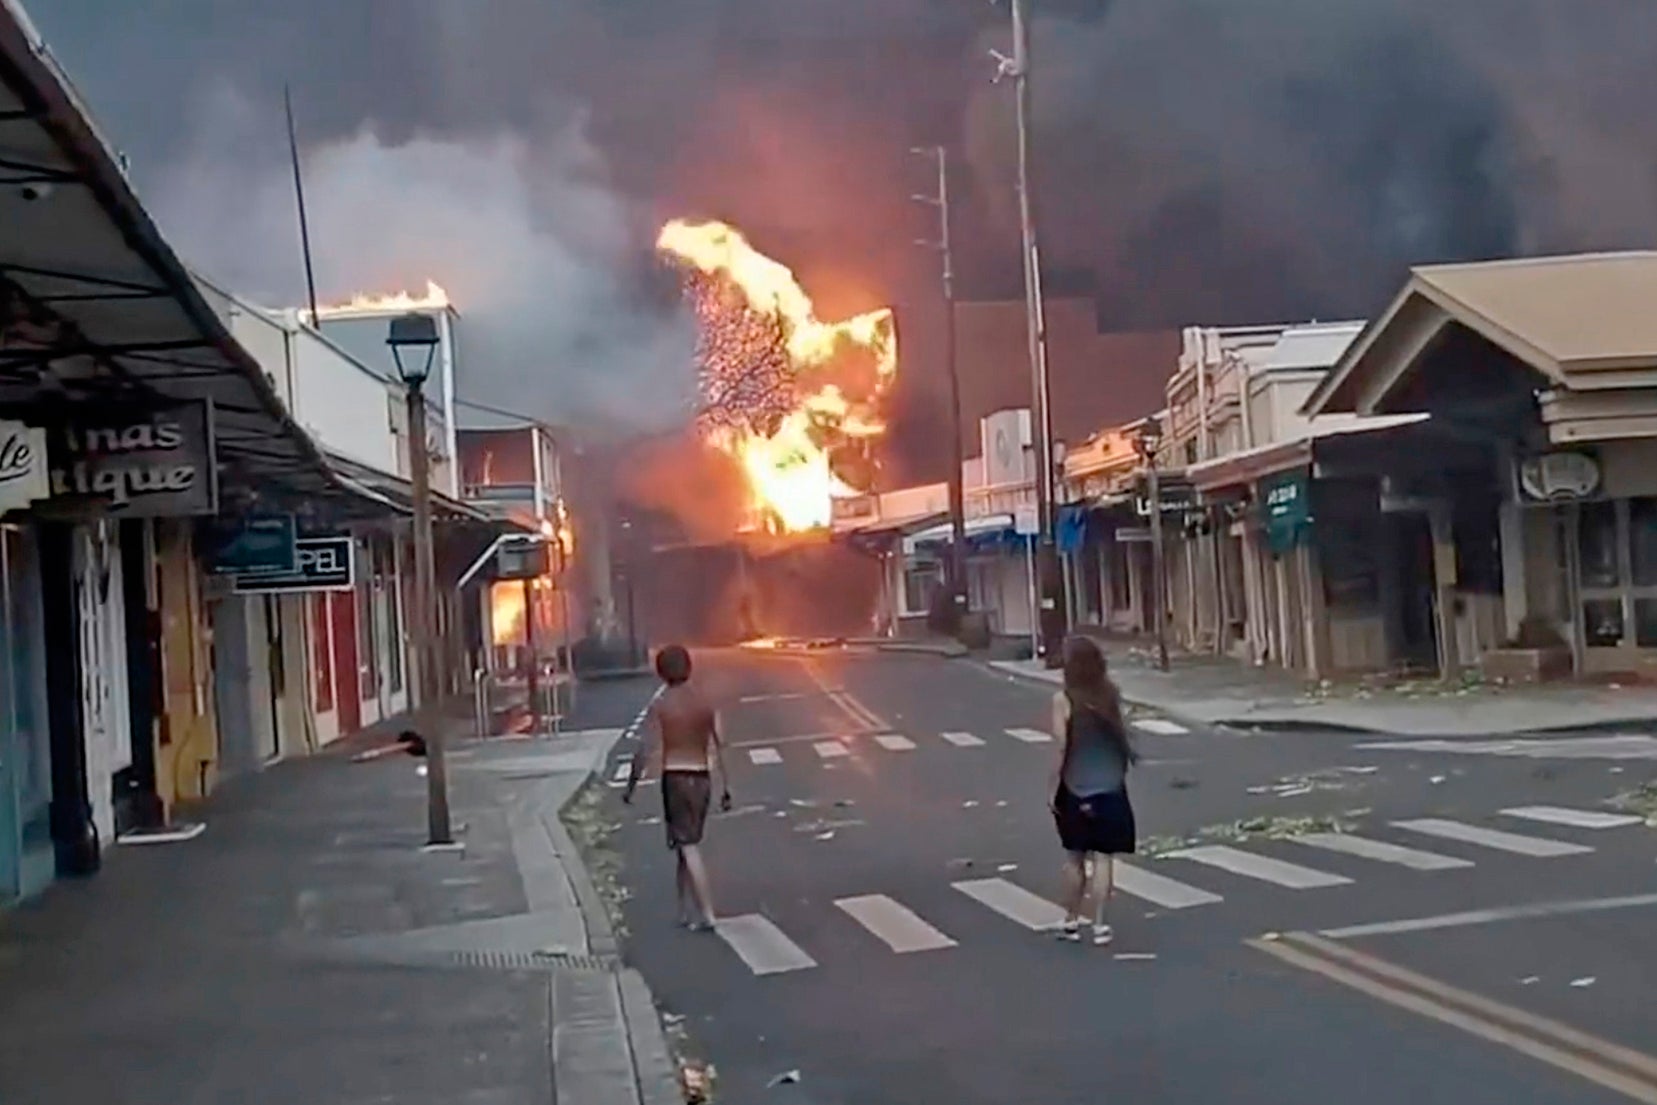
pixel 1286 499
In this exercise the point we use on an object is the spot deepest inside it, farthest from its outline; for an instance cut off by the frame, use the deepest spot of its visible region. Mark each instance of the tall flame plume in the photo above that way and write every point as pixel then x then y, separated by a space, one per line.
pixel 796 401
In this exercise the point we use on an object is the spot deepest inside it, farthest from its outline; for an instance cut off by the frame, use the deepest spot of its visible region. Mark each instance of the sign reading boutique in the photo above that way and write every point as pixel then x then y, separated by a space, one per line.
pixel 137 463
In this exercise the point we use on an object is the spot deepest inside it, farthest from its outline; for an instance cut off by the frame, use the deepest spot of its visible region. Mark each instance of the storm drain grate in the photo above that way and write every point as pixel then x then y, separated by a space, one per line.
pixel 532 961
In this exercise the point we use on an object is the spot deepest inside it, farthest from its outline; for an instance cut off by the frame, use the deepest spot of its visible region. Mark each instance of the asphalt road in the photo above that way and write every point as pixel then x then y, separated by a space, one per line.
pixel 877 880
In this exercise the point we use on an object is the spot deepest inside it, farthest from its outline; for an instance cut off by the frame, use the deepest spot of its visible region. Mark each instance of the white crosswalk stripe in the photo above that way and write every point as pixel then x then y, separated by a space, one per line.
pixel 1576 819
pixel 1249 865
pixel 1492 838
pixel 762 945
pixel 1013 902
pixel 828 750
pixel 895 924
pixel 1030 736
pixel 1162 727
pixel 1412 858
pixel 764 755
pixel 1161 890
pixel 892 742
pixel 962 740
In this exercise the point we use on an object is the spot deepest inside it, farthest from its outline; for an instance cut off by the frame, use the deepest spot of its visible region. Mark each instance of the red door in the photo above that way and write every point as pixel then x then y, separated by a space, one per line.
pixel 343 606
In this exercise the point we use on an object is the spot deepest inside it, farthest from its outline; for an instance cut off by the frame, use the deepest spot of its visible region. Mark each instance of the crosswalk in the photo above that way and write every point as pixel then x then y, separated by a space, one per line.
pixel 1213 870
pixel 772 755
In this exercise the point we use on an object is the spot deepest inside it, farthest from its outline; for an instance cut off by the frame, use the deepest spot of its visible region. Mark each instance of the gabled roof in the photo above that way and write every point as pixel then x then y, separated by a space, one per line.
pixel 1584 320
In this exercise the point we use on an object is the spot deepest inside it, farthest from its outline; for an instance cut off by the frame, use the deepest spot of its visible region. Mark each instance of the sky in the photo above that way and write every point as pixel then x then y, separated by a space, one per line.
pixel 1197 161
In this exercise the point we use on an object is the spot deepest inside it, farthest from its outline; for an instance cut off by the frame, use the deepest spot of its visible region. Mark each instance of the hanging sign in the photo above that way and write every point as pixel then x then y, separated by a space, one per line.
pixel 321 564
pixel 23 469
pixel 1558 477
pixel 153 462
pixel 1287 502
pixel 255 543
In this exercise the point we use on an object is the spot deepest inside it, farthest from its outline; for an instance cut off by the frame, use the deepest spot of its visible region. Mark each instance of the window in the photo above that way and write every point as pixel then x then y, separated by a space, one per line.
pixel 920 586
pixel 1617 548
pixel 1597 544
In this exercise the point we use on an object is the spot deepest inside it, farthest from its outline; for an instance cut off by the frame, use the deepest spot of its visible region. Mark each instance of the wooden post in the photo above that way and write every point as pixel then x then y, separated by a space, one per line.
pixel 1444 589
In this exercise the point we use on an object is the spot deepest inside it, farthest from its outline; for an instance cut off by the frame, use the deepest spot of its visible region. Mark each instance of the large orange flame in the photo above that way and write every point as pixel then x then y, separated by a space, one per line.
pixel 832 377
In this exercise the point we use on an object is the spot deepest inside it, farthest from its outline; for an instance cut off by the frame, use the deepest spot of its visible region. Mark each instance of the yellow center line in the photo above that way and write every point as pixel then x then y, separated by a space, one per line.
pixel 861 716
pixel 1607 1064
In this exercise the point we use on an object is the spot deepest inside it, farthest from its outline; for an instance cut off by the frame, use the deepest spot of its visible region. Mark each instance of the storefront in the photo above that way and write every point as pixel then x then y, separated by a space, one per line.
pixel 1543 561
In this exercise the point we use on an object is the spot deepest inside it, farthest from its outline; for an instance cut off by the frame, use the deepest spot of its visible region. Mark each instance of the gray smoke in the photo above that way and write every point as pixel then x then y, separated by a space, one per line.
pixel 1199 161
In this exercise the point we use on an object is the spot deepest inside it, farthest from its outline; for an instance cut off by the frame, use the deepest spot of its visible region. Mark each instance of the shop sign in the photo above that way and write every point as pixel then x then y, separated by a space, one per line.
pixel 521 560
pixel 1181 500
pixel 23 470
pixel 1563 476
pixel 320 564
pixel 258 543
pixel 1287 502
pixel 146 463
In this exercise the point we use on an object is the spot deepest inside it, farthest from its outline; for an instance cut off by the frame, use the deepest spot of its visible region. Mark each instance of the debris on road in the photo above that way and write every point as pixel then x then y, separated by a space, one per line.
pixel 960 864
pixel 649 821
pixel 844 803
pixel 696 1082
pixel 786 1078
pixel 823 824
pixel 1530 980
pixel 1437 779
pixel 969 803
pixel 1001 804
pixel 802 803
pixel 828 835
pixel 1003 868
pixel 1584 982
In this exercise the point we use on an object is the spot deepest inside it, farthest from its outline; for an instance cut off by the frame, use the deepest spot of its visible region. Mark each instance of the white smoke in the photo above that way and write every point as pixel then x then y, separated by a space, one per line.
pixel 527 239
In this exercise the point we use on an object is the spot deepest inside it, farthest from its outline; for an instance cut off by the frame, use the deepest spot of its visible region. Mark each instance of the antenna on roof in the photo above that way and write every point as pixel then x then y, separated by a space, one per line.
pixel 299 197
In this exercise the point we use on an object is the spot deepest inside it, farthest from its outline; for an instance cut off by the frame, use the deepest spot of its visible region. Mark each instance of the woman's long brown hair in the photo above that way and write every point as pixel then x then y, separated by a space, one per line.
pixel 1089 687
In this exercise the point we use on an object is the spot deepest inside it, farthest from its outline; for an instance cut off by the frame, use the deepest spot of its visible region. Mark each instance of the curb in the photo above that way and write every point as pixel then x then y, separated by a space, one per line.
pixel 655 1077
pixel 1295 725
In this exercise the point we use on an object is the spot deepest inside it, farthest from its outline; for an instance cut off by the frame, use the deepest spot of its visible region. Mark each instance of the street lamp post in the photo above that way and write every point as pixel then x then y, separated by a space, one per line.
pixel 957 493
pixel 413 341
pixel 1150 438
pixel 1054 608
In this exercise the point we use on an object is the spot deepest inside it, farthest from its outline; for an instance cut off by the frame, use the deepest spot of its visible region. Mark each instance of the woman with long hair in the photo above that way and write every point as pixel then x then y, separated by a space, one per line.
pixel 1090 785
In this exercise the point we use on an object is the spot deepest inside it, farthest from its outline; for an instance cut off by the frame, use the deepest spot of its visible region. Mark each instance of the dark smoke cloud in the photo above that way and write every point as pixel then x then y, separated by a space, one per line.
pixel 1200 161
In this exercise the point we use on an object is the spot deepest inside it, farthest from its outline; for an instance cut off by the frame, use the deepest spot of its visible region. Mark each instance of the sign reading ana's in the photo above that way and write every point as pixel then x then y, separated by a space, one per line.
pixel 139 464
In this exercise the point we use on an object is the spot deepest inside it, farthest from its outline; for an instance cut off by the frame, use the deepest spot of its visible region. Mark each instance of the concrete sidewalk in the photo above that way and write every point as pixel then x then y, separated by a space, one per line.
pixel 305 949
pixel 1214 691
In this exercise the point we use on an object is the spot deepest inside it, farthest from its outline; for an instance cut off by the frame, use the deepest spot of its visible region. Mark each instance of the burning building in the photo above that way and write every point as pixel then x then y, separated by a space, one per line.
pixel 794 406
pixel 359 327
pixel 796 401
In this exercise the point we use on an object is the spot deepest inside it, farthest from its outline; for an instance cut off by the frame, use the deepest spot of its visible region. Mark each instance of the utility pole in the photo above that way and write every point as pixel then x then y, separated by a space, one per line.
pixel 957 566
pixel 1147 444
pixel 1050 577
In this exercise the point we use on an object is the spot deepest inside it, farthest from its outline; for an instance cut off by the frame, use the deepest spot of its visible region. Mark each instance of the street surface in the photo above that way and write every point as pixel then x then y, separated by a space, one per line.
pixel 890 863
